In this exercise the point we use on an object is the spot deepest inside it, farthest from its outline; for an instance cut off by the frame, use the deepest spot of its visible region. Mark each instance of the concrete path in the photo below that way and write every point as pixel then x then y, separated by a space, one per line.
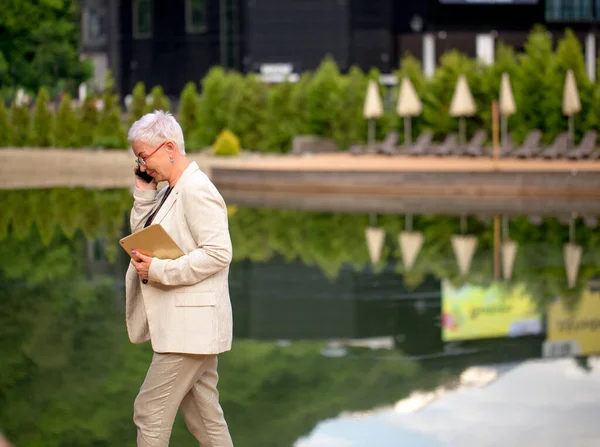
pixel 22 168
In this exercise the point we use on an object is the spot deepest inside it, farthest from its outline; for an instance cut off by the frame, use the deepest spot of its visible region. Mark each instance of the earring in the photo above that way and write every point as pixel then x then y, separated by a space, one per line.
pixel 172 160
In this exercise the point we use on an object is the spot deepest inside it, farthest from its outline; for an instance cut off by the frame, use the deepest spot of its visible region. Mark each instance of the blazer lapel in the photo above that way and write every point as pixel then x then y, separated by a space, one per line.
pixel 166 207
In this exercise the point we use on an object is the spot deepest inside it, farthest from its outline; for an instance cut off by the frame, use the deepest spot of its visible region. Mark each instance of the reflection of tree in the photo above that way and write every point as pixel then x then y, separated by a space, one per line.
pixel 60 340
pixel 96 213
pixel 330 240
pixel 69 376
pixel 326 240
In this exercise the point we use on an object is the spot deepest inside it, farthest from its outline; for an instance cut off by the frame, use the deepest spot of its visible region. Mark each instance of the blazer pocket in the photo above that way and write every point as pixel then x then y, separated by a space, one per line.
pixel 195 299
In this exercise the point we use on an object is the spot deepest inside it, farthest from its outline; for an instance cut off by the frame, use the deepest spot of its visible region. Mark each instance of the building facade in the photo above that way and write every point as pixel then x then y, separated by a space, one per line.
pixel 476 26
pixel 160 42
pixel 169 43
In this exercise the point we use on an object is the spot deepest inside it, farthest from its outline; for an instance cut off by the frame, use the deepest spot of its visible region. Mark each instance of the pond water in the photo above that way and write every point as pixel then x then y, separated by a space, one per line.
pixel 329 349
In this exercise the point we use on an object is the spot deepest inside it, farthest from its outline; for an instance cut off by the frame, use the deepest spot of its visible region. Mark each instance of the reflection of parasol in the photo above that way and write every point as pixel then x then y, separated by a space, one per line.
pixel 509 251
pixel 373 108
pixel 410 244
pixel 409 105
pixel 462 104
pixel 464 247
pixel 572 254
pixel 375 237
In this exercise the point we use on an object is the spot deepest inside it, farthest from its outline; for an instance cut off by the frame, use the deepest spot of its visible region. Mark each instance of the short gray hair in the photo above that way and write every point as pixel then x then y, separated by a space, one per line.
pixel 156 127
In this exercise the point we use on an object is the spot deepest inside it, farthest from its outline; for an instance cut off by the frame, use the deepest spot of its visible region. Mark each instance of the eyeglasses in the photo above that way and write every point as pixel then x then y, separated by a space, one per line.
pixel 142 161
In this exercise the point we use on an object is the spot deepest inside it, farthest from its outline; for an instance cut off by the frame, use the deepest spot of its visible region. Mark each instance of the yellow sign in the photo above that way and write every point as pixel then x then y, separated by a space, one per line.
pixel 473 312
pixel 575 332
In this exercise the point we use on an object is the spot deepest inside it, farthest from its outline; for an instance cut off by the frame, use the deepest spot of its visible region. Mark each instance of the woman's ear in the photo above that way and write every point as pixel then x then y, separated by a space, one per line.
pixel 171 149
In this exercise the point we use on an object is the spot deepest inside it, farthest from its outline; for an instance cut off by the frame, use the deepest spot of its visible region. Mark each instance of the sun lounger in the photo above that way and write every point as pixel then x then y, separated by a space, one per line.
pixel 586 148
pixel 359 149
pixel 558 148
pixel 447 147
pixel 421 145
pixel 387 145
pixel 530 147
pixel 474 148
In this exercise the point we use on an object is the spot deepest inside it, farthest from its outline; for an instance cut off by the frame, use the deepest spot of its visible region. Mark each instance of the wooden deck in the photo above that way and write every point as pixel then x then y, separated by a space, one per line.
pixel 419 185
pixel 341 182
pixel 347 162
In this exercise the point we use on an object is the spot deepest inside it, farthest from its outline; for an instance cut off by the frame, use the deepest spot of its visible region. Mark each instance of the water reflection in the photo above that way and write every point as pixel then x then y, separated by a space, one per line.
pixel 319 330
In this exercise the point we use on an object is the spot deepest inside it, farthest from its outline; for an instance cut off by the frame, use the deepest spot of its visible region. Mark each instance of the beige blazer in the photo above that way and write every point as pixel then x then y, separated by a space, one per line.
pixel 185 306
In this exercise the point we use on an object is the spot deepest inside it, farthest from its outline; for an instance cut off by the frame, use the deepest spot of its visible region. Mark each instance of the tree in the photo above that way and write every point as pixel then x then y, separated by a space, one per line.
pixel 299 101
pixel 188 115
pixel 88 120
pixel 349 124
pixel 159 100
pixel 324 99
pixel 40 44
pixel 20 121
pixel 248 112
pixel 280 117
pixel 109 132
pixel 534 86
pixel 5 86
pixel 5 127
pixel 42 121
pixel 66 124
pixel 138 104
pixel 213 104
pixel 592 121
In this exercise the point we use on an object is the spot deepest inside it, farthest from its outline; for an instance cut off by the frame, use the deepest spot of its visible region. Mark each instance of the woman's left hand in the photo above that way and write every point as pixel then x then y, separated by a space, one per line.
pixel 141 262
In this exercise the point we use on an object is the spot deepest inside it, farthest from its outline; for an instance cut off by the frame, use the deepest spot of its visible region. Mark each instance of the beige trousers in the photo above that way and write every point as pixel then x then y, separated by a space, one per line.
pixel 181 381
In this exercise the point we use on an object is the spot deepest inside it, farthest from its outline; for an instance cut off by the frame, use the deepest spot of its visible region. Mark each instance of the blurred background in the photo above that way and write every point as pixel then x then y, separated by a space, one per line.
pixel 413 191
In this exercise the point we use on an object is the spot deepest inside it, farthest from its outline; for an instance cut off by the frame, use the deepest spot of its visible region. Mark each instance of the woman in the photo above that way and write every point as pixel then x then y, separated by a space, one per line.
pixel 181 306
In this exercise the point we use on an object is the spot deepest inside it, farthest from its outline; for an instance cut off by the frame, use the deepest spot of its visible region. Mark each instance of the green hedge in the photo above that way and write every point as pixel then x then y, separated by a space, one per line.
pixel 329 104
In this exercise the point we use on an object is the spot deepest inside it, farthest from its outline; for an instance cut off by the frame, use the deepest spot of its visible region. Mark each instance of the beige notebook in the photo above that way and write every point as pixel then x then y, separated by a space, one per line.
pixel 152 241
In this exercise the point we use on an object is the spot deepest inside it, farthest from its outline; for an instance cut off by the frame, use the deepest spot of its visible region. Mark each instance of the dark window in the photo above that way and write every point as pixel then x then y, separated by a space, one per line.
pixel 569 10
pixel 195 16
pixel 94 26
pixel 142 19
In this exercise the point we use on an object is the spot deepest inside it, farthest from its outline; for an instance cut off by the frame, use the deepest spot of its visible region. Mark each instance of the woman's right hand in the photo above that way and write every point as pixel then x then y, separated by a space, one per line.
pixel 141 184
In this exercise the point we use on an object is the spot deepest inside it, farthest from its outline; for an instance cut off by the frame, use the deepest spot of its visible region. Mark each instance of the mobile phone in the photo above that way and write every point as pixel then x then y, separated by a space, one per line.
pixel 144 175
